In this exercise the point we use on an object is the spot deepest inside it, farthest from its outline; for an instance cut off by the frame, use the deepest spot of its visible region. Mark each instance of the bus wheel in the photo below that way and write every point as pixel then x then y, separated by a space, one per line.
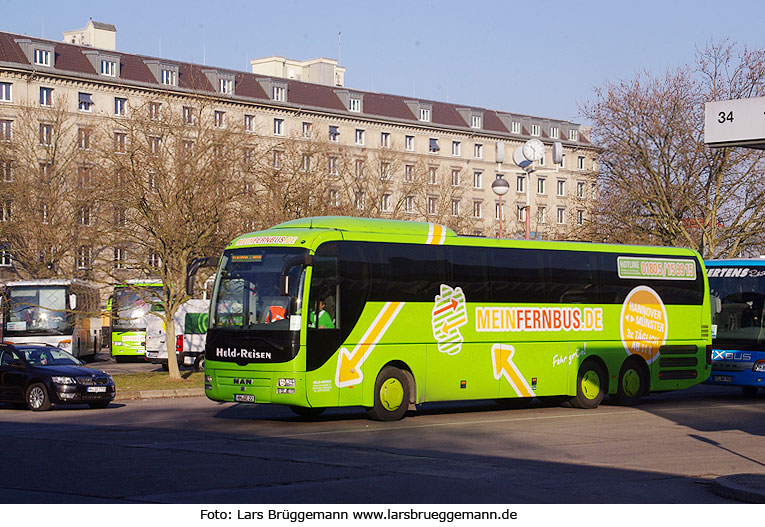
pixel 391 397
pixel 749 391
pixel 591 385
pixel 307 412
pixel 37 398
pixel 633 383
pixel 199 363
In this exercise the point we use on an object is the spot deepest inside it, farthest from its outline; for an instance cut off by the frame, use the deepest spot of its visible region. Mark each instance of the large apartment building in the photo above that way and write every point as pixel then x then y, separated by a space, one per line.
pixel 462 146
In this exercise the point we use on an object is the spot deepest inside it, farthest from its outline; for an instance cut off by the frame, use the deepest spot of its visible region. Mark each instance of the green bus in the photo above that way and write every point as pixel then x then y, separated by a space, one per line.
pixel 419 314
pixel 129 306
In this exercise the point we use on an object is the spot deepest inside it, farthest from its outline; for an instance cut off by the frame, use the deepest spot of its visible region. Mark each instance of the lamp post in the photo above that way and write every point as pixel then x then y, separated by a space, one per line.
pixel 500 187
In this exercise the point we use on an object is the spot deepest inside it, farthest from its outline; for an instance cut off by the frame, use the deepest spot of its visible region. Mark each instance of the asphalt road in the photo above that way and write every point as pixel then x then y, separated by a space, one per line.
pixel 191 450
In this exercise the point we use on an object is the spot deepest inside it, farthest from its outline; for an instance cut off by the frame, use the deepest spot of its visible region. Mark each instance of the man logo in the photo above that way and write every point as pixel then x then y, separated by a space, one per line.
pixel 242 381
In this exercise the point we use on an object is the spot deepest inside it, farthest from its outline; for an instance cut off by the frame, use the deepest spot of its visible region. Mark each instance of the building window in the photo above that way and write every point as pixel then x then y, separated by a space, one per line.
pixel 42 57
pixel 155 260
pixel 226 86
pixel 277 159
pixel 306 163
pixel 562 163
pixel 169 77
pixel 5 257
pixel 520 184
pixel 385 140
pixel 534 129
pixel 155 110
pixel 409 204
pixel 120 106
pixel 83 139
pixel 408 173
pixel 456 177
pixel 120 258
pixel 278 126
pixel 478 151
pixel 85 215
pixel 46 134
pixel 359 168
pixel 521 212
pixel 333 197
pixel 573 135
pixel 85 102
pixel 332 166
pixel 497 211
pixel 433 148
pixel 219 119
pixel 456 148
pixel 540 185
pixel 384 170
pixel 477 209
pixel 561 188
pixel 580 163
pixel 120 142
pixel 5 129
pixel 409 143
pixel 359 197
pixel 432 205
pixel 385 203
pixel 475 121
pixel 354 104
pixel 433 175
pixel 6 171
pixel 334 133
pixel 515 127
pixel 579 189
pixel 279 93
pixel 46 96
pixel 477 176
pixel 541 214
pixel 249 122
pixel 307 128
pixel 359 137
pixel 580 217
pixel 455 207
pixel 6 93
pixel 108 68
pixel 425 114
pixel 561 216
pixel 554 132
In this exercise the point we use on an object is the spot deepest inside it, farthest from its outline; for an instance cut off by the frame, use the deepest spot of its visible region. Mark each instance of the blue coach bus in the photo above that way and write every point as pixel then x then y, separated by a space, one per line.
pixel 737 289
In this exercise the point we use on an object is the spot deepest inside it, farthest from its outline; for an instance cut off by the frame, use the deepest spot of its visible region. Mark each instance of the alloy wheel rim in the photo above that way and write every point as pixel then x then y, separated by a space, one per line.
pixel 391 394
pixel 36 397
pixel 591 385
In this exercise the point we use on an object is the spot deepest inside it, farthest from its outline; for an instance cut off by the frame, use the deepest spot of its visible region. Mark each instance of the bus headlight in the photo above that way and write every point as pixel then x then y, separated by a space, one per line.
pixel 759 366
pixel 63 380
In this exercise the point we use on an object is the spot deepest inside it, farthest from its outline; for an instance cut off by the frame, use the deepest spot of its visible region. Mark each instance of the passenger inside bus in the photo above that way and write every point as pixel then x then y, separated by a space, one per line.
pixel 321 317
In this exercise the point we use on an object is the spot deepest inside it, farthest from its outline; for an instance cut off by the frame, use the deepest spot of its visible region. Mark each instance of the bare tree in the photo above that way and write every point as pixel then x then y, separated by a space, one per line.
pixel 660 184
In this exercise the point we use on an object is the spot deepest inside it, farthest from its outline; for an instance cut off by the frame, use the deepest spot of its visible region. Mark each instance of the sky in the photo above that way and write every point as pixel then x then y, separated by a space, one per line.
pixel 542 58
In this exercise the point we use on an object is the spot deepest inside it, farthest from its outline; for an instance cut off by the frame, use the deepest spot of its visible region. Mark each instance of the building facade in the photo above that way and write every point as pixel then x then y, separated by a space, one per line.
pixel 462 147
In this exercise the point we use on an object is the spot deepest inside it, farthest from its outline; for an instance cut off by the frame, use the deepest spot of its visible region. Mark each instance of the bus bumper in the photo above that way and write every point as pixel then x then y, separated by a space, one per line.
pixel 282 387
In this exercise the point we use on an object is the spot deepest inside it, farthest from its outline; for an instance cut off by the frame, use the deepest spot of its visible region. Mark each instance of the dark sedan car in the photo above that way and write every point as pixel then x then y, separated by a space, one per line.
pixel 39 376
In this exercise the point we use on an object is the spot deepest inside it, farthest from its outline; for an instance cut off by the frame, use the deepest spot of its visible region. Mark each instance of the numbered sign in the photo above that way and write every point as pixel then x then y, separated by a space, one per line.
pixel 738 122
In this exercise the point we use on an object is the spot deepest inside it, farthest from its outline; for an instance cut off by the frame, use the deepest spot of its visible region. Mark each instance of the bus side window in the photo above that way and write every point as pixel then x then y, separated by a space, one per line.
pixel 324 294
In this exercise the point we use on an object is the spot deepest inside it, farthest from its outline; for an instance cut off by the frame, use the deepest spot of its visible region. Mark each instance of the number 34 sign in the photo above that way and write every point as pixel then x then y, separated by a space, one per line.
pixel 737 122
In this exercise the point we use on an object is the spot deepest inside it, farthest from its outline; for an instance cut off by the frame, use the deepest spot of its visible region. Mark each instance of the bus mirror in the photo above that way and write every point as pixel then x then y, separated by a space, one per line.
pixel 73 301
pixel 303 259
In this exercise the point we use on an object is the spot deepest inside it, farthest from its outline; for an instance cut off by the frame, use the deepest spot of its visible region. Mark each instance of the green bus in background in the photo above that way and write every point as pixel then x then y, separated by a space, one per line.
pixel 420 314
pixel 130 305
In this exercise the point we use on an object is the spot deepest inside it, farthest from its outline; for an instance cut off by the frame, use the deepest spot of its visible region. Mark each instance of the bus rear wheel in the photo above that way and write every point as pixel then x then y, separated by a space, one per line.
pixel 591 383
pixel 749 391
pixel 633 383
pixel 391 396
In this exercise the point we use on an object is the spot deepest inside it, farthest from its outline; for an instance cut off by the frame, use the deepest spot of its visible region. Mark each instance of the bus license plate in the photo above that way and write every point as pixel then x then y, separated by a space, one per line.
pixel 722 378
pixel 244 397
pixel 96 389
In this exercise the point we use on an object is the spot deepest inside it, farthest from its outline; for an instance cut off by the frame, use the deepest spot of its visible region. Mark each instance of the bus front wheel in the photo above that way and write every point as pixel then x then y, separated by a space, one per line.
pixel 591 386
pixel 391 397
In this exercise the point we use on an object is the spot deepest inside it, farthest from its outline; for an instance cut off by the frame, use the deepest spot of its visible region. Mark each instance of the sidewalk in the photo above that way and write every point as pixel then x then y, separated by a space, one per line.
pixel 749 488
pixel 159 394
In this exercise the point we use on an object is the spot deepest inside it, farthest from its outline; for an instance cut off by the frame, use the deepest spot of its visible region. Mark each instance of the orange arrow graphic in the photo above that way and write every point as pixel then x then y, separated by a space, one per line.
pixel 349 363
pixel 451 305
pixel 501 356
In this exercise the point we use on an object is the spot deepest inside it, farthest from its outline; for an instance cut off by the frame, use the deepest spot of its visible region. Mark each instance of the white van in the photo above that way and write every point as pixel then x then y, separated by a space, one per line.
pixel 190 335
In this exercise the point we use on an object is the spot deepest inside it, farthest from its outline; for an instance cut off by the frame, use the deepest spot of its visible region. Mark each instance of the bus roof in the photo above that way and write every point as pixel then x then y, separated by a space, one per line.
pixel 49 282
pixel 735 261
pixel 139 282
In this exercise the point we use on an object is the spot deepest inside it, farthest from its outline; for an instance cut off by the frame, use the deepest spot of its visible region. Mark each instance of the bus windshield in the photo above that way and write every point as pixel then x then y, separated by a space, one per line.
pixel 247 294
pixel 37 309
pixel 132 305
pixel 737 309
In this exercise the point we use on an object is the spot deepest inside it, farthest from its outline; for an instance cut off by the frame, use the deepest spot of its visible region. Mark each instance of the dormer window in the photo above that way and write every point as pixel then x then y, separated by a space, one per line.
pixel 534 129
pixel 515 127
pixel 169 77
pixel 42 57
pixel 226 86
pixel 554 132
pixel 573 135
pixel 279 93
pixel 425 114
pixel 108 68
pixel 354 104
pixel 476 121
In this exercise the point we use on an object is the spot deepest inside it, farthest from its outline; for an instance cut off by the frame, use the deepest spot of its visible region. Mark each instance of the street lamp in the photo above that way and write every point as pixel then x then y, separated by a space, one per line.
pixel 500 187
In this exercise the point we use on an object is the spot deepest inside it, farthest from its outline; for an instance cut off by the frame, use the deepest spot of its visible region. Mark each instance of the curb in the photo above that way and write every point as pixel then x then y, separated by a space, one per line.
pixel 159 394
pixel 749 488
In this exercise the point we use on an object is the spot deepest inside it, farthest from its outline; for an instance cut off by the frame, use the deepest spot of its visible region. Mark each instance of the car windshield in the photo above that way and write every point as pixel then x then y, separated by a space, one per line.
pixel 37 308
pixel 49 357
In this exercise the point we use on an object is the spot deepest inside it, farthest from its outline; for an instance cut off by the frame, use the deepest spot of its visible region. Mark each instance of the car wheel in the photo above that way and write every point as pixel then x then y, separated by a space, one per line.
pixel 37 397
pixel 199 363
pixel 391 396
pixel 591 385
pixel 633 383
pixel 749 391
pixel 165 366
pixel 99 404
pixel 307 412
